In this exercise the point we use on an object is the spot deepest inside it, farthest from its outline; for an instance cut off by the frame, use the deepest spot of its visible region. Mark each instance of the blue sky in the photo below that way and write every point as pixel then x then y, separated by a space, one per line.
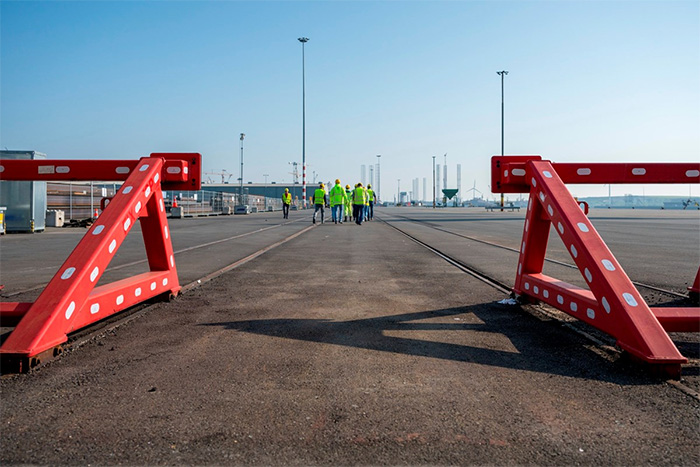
pixel 588 81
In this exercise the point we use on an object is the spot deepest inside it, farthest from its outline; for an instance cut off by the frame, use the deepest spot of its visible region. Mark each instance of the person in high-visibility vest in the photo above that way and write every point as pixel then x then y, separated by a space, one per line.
pixel 370 202
pixel 348 202
pixel 320 202
pixel 338 197
pixel 286 201
pixel 359 197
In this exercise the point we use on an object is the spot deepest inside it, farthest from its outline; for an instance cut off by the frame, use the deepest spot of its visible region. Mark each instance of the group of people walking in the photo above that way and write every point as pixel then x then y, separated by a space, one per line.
pixel 355 204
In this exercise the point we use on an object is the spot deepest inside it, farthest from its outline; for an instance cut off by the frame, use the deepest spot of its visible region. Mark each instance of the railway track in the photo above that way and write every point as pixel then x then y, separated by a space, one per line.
pixel 602 344
pixel 109 324
pixel 670 293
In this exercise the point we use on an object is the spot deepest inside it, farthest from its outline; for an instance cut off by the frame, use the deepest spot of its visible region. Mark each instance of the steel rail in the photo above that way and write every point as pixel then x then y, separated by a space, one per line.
pixel 515 250
pixel 141 261
pixel 603 349
pixel 81 337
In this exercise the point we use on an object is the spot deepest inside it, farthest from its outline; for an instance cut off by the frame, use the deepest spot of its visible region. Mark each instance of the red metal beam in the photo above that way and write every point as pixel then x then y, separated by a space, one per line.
pixel 72 298
pixel 612 303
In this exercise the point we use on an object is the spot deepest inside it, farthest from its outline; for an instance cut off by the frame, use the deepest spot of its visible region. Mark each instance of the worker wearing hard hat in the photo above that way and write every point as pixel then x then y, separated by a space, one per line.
pixel 320 201
pixel 370 203
pixel 286 202
pixel 359 197
pixel 348 202
pixel 338 197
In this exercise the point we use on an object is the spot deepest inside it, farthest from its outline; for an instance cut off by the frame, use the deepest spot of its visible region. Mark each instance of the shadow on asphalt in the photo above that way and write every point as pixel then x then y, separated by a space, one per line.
pixel 539 346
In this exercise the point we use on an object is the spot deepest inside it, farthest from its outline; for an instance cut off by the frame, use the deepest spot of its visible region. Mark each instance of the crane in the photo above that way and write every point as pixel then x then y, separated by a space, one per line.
pixel 222 174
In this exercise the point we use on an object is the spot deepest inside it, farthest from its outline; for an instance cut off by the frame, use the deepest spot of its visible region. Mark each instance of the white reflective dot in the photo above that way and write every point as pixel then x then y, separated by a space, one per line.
pixel 520 268
pixel 98 230
pixel 122 170
pixel 591 313
pixel 127 190
pixel 156 178
pixel 505 173
pixel 545 292
pixel 574 253
pixel 629 299
pixel 160 203
pixel 522 249
pixel 173 170
pixel 536 289
pixel 589 276
pixel 67 273
pixel 143 168
pixel 527 224
pixel 2 168
pixel 608 265
pixel 137 208
pixel 94 308
pixel 692 173
pixel 583 171
pixel 529 204
pixel 547 174
pixel 120 299
pixel 186 170
pixel 639 171
pixel 94 273
pixel 560 227
pixel 606 305
pixel 165 281
pixel 574 306
pixel 127 224
pixel 153 286
pixel 148 191
pixel 542 196
pixel 165 229
pixel 137 292
pixel 534 182
pixel 112 246
pixel 582 227
pixel 172 261
pixel 527 286
pixel 560 299
pixel 550 210
pixel 518 172
pixel 70 310
pixel 62 169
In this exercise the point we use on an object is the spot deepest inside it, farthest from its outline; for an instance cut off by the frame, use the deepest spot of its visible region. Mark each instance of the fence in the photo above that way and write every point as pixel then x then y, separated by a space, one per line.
pixel 81 200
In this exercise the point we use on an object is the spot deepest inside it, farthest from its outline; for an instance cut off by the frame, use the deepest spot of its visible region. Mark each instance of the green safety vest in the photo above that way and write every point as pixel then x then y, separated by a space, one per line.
pixel 370 194
pixel 337 195
pixel 359 196
pixel 320 196
pixel 287 198
pixel 348 196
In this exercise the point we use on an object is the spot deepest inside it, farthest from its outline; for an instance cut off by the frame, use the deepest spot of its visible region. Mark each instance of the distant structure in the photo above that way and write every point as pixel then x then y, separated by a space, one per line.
pixel 415 190
pixel 438 191
pixel 371 175
pixel 363 175
pixel 459 183
pixel 425 184
pixel 444 179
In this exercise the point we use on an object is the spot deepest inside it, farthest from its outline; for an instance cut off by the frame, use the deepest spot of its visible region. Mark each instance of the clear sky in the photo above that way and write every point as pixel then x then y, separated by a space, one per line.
pixel 588 81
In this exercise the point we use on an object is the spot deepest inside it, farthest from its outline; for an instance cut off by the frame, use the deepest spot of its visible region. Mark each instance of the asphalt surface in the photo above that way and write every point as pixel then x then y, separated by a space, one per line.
pixel 347 345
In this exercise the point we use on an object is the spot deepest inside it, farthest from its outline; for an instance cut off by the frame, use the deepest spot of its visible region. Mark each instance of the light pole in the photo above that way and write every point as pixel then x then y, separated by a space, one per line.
pixel 433 182
pixel 398 194
pixel 503 74
pixel 379 197
pixel 266 175
pixel 240 187
pixel 303 41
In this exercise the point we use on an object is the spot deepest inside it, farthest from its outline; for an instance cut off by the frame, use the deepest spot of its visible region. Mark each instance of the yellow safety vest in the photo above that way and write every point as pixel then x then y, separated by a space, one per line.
pixel 287 198
pixel 320 196
pixel 359 196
